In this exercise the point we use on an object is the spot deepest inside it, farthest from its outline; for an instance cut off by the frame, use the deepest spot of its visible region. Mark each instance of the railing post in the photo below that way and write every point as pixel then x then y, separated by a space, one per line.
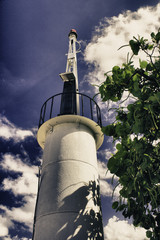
pixel 91 109
pixel 82 105
pixel 40 118
pixel 51 107
pixel 44 111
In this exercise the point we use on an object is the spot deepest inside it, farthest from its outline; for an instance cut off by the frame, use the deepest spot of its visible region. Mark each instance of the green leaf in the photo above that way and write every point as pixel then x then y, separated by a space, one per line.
pixel 115 99
pixel 152 98
pixel 149 67
pixel 115 205
pixel 157 96
pixel 130 107
pixel 123 193
pixel 121 207
pixel 150 46
pixel 138 127
pixel 118 146
pixel 157 37
pixel 136 86
pixel 109 130
pixel 143 64
pixel 153 35
pixel 149 234
pixel 135 46
pixel 113 165
pixel 115 69
pixel 119 129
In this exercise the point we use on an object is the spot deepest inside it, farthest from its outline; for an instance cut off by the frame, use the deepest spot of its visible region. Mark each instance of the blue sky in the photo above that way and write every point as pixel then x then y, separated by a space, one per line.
pixel 33 44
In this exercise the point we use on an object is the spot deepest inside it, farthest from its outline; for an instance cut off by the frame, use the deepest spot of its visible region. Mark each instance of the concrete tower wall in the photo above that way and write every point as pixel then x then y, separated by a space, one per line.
pixel 68 205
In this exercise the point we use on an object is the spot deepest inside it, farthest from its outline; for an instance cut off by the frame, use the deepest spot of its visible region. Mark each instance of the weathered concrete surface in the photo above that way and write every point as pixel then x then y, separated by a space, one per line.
pixel 68 205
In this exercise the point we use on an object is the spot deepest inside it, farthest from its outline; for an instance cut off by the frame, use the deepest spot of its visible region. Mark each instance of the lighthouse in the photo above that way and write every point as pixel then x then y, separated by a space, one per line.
pixel 68 203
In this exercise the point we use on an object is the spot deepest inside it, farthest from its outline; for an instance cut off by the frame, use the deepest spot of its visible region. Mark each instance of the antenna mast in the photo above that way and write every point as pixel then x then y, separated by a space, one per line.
pixel 71 56
pixel 71 66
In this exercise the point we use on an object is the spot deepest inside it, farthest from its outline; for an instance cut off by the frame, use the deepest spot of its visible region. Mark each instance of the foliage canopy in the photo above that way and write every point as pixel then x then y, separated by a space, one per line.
pixel 137 128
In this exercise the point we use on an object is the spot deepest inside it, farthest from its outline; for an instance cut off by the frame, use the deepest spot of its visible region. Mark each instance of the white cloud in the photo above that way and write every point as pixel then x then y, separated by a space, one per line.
pixel 14 163
pixel 102 169
pixel 24 185
pixel 23 214
pixel 6 238
pixel 9 131
pixel 21 184
pixel 106 187
pixel 120 229
pixel 4 225
pixel 114 32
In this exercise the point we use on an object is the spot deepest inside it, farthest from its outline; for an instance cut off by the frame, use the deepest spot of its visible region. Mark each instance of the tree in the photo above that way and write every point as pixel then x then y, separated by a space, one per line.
pixel 137 128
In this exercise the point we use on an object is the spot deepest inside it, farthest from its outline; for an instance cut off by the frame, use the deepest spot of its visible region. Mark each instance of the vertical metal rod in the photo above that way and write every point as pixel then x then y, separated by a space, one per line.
pixel 61 103
pixel 40 118
pixel 91 109
pixel 82 105
pixel 97 113
pixel 51 107
pixel 100 120
pixel 72 62
pixel 72 103
pixel 44 111
pixel 74 99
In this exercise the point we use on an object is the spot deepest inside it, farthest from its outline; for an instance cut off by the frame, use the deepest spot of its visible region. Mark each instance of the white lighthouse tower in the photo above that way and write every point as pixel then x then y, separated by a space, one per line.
pixel 68 200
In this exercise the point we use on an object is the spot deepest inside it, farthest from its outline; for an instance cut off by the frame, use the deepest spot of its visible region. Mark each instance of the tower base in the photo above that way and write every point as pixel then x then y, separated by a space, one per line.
pixel 68 203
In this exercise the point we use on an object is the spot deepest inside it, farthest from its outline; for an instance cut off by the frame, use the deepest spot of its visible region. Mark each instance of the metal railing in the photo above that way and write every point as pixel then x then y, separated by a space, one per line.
pixel 53 107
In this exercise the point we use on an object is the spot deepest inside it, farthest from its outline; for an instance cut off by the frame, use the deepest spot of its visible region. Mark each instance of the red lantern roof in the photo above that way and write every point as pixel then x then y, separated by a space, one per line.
pixel 73 31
